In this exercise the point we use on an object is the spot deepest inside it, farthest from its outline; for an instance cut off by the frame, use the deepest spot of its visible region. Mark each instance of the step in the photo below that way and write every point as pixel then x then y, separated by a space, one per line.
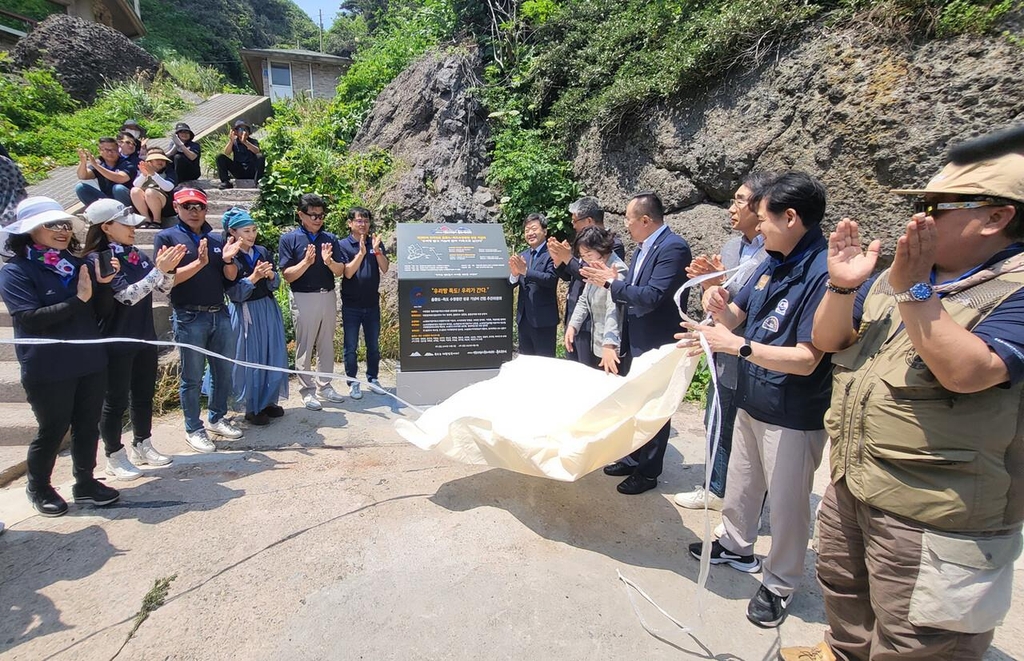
pixel 17 424
pixel 10 383
pixel 7 351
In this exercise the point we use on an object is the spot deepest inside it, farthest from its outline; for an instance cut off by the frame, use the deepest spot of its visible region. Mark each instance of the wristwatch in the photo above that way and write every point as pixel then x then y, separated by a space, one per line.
pixel 919 291
pixel 746 349
pixel 607 284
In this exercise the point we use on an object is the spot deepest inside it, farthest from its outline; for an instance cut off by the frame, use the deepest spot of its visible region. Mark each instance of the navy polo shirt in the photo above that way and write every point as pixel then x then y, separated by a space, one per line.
pixel 205 288
pixel 780 300
pixel 1003 328
pixel 28 285
pixel 124 164
pixel 241 153
pixel 363 289
pixel 193 147
pixel 134 321
pixel 291 249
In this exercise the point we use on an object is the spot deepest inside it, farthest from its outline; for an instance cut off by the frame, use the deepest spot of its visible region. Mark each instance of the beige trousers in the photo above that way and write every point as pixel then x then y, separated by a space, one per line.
pixel 780 463
pixel 315 316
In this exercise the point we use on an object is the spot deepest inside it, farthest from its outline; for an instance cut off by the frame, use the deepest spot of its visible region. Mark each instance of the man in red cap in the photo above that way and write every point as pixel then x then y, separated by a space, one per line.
pixel 200 316
pixel 920 527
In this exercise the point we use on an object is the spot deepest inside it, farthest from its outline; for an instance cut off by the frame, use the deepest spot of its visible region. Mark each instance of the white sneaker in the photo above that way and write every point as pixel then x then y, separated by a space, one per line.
pixel 120 468
pixel 145 454
pixel 719 530
pixel 375 387
pixel 200 442
pixel 356 392
pixel 694 500
pixel 311 402
pixel 224 429
pixel 331 395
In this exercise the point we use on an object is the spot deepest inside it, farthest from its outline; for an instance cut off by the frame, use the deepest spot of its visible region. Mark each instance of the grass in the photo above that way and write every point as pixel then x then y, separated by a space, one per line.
pixel 153 600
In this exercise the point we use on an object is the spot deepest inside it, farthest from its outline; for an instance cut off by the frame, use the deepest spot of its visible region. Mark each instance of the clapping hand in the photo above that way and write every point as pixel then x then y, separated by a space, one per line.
pixel 327 252
pixel 915 254
pixel 84 284
pixel 848 264
pixel 231 249
pixel 375 238
pixel 560 251
pixel 262 270
pixel 170 256
pixel 517 265
pixel 204 256
pixel 310 255
pixel 702 265
pixel 598 274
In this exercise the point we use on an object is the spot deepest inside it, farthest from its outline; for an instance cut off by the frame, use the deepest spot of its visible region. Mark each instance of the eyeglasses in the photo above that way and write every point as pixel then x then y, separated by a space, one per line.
pixel 58 226
pixel 359 221
pixel 738 203
pixel 929 208
pixel 315 216
pixel 193 206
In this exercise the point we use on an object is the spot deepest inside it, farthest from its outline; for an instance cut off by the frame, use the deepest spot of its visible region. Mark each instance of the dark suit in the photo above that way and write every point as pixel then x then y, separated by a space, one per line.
pixel 652 318
pixel 570 272
pixel 537 308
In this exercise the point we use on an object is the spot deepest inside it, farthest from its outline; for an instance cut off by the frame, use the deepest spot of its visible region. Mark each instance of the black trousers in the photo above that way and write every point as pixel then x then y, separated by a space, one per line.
pixel 185 169
pixel 57 405
pixel 226 165
pixel 537 341
pixel 131 378
pixel 650 458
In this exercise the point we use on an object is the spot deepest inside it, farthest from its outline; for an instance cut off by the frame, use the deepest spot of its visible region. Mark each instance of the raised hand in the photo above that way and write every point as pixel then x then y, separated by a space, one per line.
pixel 84 284
pixel 848 264
pixel 362 247
pixel 146 168
pixel 170 256
pixel 375 238
pixel 115 264
pixel 517 264
pixel 262 270
pixel 559 250
pixel 310 255
pixel 915 254
pixel 231 249
pixel 327 252
pixel 598 274
pixel 204 256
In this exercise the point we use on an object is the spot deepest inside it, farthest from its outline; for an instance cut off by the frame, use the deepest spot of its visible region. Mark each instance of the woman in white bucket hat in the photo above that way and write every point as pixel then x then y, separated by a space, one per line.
pixel 50 293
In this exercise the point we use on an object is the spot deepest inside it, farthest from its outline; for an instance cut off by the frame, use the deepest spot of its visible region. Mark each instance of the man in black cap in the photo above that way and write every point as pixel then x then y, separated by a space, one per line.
pixel 184 153
pixel 242 156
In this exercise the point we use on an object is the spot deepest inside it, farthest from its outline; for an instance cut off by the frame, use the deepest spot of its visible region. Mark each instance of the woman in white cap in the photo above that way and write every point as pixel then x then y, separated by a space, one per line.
pixel 151 191
pixel 49 294
pixel 257 321
pixel 131 366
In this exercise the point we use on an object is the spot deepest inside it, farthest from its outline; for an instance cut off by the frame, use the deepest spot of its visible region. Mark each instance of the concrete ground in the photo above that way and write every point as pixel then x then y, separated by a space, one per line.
pixel 326 536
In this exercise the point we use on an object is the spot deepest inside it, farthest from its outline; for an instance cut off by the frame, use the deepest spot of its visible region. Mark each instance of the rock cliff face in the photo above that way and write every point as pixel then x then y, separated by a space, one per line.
pixel 437 131
pixel 864 118
pixel 85 55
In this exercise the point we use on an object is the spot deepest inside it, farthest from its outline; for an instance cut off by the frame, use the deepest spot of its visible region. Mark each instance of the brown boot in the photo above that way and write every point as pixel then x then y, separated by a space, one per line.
pixel 819 652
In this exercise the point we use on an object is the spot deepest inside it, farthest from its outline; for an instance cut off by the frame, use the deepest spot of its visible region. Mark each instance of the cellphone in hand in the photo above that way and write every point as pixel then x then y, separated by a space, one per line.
pixel 106 268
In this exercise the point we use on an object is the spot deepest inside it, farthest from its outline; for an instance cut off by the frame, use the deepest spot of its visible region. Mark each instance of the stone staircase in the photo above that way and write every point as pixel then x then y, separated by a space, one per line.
pixel 17 424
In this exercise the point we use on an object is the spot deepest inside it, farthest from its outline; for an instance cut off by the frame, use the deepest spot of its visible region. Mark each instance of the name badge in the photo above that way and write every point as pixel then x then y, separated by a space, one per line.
pixel 762 282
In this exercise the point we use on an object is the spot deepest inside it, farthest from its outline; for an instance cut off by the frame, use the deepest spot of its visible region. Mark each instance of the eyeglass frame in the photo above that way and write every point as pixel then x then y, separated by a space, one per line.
pixel 193 206
pixel 59 226
pixel 921 205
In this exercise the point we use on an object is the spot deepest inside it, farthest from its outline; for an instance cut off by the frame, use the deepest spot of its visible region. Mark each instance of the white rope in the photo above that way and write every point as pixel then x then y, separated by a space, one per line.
pixel 206 352
pixel 710 452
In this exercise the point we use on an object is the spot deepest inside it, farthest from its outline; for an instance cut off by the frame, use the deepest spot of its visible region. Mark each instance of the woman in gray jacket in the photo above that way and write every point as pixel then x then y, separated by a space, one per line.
pixel 594 245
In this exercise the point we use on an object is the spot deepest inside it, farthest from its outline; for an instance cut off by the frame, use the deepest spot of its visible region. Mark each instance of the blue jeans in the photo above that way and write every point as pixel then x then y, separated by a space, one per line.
pixel 87 194
pixel 211 331
pixel 727 401
pixel 369 318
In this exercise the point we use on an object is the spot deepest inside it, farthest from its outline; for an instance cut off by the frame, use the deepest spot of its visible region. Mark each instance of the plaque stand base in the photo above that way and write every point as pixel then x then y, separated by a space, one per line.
pixel 429 388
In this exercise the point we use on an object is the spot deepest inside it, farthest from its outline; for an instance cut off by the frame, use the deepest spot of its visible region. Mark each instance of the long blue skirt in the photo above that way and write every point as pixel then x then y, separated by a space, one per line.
pixel 260 332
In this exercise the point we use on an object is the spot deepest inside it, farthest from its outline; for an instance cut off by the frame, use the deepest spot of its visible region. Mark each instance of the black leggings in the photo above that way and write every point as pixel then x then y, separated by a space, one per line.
pixel 57 405
pixel 131 376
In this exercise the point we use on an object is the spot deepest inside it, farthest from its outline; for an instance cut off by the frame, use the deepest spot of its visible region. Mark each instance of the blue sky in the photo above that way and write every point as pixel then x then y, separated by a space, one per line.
pixel 313 7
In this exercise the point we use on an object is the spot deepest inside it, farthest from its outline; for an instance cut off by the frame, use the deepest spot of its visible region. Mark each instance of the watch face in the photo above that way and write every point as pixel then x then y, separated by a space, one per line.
pixel 746 350
pixel 921 291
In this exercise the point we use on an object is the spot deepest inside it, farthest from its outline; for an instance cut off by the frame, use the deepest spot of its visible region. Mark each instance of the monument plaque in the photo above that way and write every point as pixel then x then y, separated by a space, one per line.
pixel 454 304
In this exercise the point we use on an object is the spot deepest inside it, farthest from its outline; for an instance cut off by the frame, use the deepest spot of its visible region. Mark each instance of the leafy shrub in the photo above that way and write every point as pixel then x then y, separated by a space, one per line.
pixel 196 78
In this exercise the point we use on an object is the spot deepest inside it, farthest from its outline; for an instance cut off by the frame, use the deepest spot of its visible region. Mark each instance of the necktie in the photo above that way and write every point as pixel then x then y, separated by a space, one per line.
pixel 637 261
pixel 533 256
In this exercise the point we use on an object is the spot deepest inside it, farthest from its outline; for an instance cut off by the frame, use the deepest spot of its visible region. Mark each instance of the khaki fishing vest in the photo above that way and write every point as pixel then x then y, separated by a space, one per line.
pixel 908 446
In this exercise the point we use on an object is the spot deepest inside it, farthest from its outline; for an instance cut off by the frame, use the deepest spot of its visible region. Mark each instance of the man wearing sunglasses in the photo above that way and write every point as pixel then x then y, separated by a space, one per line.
pixel 307 262
pixel 920 527
pixel 111 172
pixel 200 315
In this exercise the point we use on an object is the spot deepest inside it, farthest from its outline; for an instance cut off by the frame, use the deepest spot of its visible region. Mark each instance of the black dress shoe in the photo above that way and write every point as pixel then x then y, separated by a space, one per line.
pixel 637 483
pixel 273 411
pixel 258 419
pixel 94 492
pixel 47 501
pixel 619 469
